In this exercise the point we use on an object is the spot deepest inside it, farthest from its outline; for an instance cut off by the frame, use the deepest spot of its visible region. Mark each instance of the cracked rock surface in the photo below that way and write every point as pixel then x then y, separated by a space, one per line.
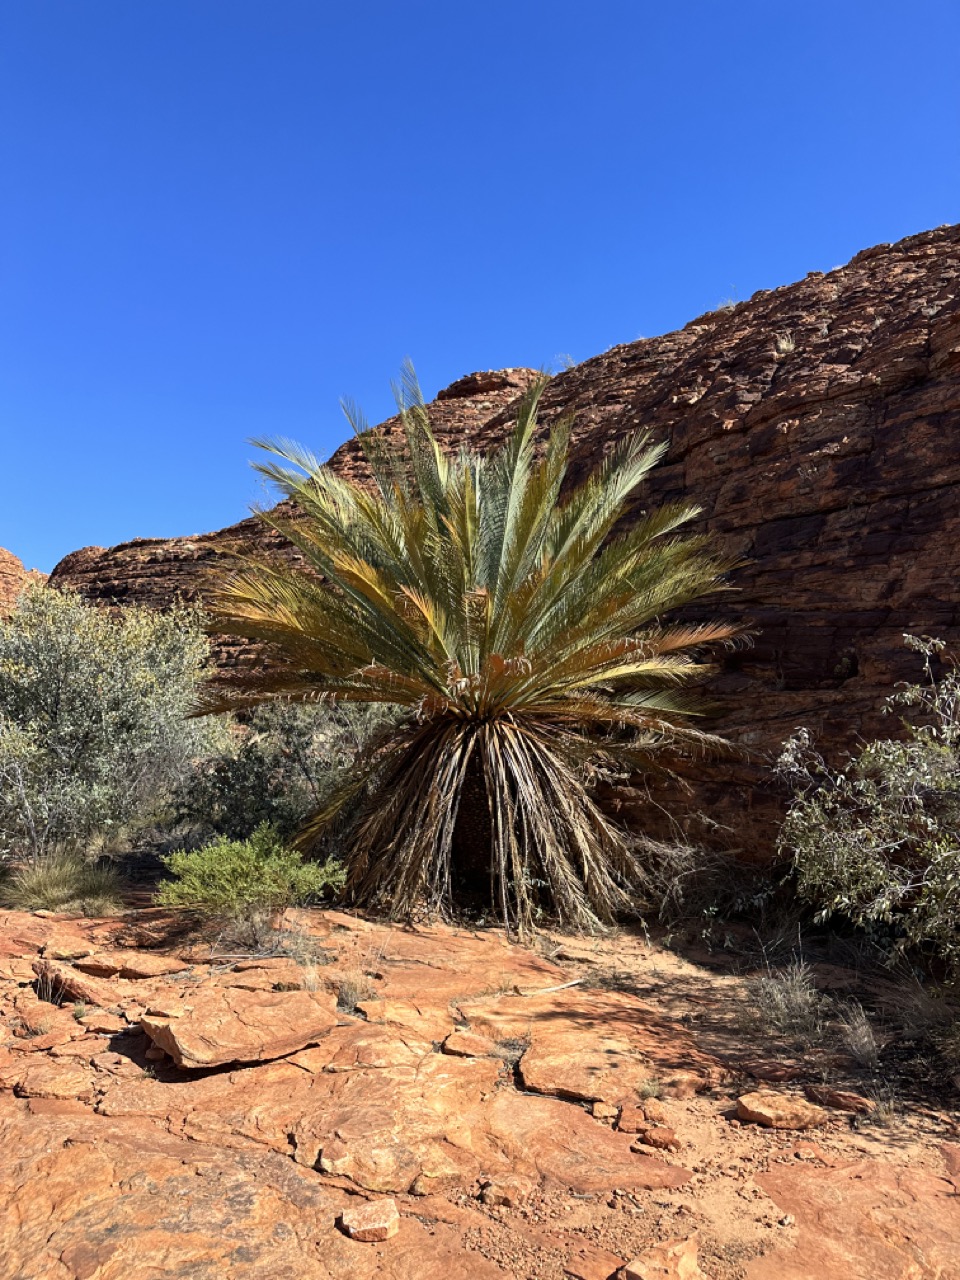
pixel 274 1117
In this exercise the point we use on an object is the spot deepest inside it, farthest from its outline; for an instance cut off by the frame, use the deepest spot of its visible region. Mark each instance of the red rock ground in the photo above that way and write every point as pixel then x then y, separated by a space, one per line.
pixel 466 1080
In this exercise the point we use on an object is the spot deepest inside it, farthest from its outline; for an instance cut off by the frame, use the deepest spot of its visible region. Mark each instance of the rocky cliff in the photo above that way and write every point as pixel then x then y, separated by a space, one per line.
pixel 818 425
pixel 13 578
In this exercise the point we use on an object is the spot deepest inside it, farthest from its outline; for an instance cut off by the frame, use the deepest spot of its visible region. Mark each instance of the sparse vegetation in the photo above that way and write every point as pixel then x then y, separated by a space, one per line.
pixel 878 840
pixel 353 988
pixel 93 734
pixel 244 882
pixel 283 762
pixel 512 1049
pixel 63 882
pixel 521 629
pixel 786 343
pixel 785 1002
pixel 857 1035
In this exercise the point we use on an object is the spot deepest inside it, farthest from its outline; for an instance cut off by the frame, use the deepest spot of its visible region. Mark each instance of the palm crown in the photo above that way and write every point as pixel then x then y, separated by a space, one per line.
pixel 522 631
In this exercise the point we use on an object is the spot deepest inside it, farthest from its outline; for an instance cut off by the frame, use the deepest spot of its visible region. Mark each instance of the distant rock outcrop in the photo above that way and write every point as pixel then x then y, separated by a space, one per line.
pixel 818 425
pixel 13 578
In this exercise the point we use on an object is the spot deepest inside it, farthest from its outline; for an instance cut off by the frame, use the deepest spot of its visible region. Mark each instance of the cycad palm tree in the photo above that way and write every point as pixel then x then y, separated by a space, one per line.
pixel 521 629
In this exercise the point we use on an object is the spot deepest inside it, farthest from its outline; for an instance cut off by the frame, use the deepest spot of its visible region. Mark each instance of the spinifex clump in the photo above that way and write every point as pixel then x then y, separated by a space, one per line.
pixel 522 632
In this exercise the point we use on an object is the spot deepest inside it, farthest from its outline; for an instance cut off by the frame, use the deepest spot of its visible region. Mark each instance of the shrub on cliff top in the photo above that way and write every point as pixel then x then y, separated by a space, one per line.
pixel 93 729
pixel 522 628
pixel 878 840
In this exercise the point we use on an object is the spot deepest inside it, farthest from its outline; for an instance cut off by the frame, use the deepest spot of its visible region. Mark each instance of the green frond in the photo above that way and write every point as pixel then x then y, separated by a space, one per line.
pixel 523 622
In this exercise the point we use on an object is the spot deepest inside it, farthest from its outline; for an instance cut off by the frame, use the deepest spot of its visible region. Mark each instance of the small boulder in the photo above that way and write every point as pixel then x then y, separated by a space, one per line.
pixel 655 1112
pixel 101 1023
pixel 78 986
pixel 659 1136
pixel 371 1220
pixel 510 1189
pixel 779 1110
pixel 770 1070
pixel 673 1260
pixel 632 1120
pixel 129 964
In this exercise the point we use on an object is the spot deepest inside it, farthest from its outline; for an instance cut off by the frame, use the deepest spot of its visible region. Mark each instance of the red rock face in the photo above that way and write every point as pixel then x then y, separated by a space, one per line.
pixel 13 578
pixel 818 427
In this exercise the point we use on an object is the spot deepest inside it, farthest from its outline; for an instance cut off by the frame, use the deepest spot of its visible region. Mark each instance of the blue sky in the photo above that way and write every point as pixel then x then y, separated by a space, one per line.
pixel 219 216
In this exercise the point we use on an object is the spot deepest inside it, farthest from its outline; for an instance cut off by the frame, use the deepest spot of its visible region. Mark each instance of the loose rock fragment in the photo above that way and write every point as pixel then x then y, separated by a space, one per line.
pixel 104 1023
pixel 839 1099
pixel 508 1189
pixel 632 1120
pixel 465 1044
pixel 130 964
pixel 77 986
pixel 779 1110
pixel 371 1220
pixel 215 1025
pixel 660 1136
pixel 674 1260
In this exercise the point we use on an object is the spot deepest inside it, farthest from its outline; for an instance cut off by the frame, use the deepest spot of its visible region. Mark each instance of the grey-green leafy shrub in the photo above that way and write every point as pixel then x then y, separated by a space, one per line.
pixel 94 738
pixel 244 881
pixel 282 763
pixel 878 840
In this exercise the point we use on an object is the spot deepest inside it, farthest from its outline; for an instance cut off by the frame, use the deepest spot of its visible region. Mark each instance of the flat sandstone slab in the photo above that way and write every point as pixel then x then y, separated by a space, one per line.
pixel 215 1025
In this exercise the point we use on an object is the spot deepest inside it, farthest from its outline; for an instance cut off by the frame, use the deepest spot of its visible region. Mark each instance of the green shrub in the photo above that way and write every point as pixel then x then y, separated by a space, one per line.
pixel 878 841
pixel 63 883
pixel 280 764
pixel 93 731
pixel 244 881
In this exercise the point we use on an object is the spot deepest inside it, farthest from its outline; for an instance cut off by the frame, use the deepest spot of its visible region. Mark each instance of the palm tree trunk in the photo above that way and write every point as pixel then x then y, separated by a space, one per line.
pixel 472 841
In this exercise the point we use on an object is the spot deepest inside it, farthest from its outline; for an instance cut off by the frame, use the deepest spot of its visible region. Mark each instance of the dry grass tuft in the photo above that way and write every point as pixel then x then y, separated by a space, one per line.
pixel 63 884
pixel 786 1002
pixel 353 988
pixel 857 1035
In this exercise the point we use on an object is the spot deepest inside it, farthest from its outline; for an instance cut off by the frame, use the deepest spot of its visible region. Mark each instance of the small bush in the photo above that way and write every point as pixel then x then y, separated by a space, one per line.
pixel 244 881
pixel 63 883
pixel 282 762
pixel 94 737
pixel 878 841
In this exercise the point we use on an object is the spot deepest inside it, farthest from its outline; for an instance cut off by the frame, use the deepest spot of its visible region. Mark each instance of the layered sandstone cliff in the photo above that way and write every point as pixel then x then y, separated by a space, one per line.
pixel 13 578
pixel 818 425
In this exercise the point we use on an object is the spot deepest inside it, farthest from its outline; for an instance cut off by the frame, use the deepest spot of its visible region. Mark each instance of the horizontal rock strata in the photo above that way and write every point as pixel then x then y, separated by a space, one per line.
pixel 13 578
pixel 818 426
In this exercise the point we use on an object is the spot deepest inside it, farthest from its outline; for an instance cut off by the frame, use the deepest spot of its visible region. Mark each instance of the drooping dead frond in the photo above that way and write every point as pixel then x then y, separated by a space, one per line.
pixel 522 626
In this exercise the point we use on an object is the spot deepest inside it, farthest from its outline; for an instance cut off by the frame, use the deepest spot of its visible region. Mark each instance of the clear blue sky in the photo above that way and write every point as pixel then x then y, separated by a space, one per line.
pixel 219 216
